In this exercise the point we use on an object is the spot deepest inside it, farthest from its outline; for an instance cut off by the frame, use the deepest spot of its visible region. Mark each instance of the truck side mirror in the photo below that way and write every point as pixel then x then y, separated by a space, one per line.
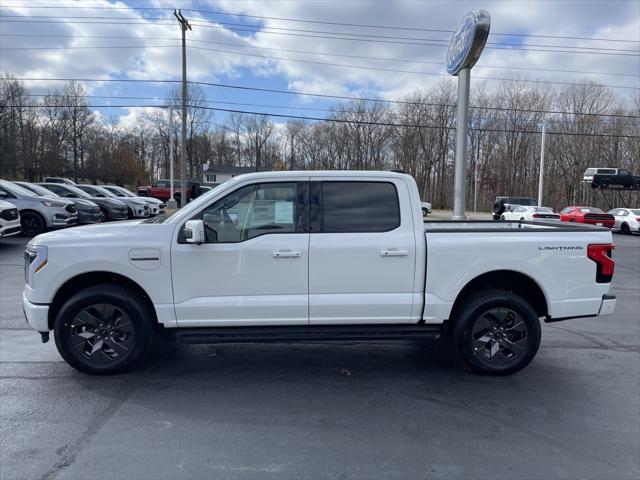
pixel 194 232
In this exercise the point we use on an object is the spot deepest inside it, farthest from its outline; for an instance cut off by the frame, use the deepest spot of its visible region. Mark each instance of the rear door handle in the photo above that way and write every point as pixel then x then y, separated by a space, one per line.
pixel 394 253
pixel 285 254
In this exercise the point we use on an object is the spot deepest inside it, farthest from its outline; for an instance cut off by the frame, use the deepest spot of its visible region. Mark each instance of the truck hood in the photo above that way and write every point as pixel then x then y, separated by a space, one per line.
pixel 87 234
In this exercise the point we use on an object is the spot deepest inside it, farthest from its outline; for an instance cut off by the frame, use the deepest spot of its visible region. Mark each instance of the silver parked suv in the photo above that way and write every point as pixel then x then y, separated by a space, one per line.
pixel 37 213
pixel 137 208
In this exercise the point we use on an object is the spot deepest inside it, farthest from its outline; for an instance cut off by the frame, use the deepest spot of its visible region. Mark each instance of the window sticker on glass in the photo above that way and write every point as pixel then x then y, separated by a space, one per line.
pixel 263 212
pixel 284 212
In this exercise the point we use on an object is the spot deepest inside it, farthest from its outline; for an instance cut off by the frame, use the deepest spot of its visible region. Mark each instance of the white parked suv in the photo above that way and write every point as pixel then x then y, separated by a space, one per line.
pixel 627 220
pixel 38 213
pixel 9 219
pixel 313 256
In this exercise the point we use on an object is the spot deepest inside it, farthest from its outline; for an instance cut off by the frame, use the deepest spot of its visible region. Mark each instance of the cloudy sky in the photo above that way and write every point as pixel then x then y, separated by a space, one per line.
pixel 370 48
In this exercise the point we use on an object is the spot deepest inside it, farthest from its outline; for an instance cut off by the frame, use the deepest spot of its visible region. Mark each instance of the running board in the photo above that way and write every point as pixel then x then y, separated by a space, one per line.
pixel 309 333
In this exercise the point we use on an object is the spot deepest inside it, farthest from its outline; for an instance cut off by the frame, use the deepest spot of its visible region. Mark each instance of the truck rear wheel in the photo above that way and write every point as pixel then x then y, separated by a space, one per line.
pixel 103 329
pixel 496 332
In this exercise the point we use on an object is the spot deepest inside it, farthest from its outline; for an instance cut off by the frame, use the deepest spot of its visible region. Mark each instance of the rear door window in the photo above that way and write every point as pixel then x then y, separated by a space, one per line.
pixel 359 207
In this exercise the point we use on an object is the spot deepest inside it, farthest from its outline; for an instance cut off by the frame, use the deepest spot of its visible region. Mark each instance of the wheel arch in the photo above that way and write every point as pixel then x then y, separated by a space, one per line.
pixel 90 279
pixel 34 212
pixel 509 280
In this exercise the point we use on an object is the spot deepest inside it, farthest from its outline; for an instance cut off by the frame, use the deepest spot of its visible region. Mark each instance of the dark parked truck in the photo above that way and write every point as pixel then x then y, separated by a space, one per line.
pixel 502 204
pixel 611 177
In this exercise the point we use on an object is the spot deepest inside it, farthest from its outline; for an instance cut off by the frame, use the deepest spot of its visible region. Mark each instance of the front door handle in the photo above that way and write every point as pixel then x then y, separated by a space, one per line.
pixel 393 253
pixel 285 254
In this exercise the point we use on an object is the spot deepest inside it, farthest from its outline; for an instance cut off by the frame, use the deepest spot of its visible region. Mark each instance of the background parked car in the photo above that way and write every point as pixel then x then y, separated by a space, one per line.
pixel 627 220
pixel 155 206
pixel 426 208
pixel 136 208
pixel 526 213
pixel 112 209
pixel 590 215
pixel 88 211
pixel 501 204
pixel 66 181
pixel 9 219
pixel 38 213
pixel 162 191
pixel 605 177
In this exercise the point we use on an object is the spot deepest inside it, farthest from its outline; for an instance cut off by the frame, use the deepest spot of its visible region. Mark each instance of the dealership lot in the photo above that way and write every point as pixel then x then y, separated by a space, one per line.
pixel 322 411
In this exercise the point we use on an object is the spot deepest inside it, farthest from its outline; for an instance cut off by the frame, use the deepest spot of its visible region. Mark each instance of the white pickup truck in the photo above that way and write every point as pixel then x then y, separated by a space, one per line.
pixel 295 256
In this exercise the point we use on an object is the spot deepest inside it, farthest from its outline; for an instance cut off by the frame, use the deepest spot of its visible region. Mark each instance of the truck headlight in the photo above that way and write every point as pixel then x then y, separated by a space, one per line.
pixel 35 259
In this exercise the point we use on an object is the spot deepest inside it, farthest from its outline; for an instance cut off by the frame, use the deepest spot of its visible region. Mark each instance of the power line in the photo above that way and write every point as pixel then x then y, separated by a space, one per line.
pixel 321 22
pixel 509 47
pixel 316 62
pixel 346 34
pixel 318 95
pixel 338 120
pixel 286 107
pixel 329 54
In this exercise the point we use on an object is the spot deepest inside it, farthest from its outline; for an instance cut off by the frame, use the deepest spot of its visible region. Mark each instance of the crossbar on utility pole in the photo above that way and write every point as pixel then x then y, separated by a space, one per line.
pixel 184 24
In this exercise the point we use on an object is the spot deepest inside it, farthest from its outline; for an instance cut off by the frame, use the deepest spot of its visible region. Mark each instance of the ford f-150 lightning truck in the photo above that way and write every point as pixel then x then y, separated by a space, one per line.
pixel 294 256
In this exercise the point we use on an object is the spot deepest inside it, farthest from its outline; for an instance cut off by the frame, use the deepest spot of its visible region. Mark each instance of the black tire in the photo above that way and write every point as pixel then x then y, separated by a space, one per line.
pixel 32 224
pixel 624 228
pixel 104 215
pixel 129 213
pixel 522 219
pixel 497 351
pixel 177 197
pixel 123 329
pixel 502 217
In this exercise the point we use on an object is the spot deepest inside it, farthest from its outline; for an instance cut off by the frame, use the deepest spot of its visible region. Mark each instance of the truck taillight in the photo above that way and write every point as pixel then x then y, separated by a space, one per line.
pixel 535 215
pixel 601 254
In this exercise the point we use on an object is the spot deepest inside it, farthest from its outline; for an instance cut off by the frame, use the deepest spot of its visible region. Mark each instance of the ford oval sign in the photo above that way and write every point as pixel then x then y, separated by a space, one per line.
pixel 468 40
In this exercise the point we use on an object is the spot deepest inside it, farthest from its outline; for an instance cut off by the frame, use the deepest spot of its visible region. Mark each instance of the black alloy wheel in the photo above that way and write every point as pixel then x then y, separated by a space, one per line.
pixel 625 229
pixel 102 333
pixel 499 337
pixel 103 329
pixel 32 224
pixel 496 332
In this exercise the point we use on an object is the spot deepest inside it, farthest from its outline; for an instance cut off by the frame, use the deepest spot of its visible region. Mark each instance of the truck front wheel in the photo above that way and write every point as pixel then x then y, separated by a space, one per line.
pixel 496 332
pixel 103 329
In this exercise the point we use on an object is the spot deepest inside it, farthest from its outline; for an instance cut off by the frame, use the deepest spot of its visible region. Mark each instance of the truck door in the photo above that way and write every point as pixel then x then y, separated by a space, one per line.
pixel 253 268
pixel 362 252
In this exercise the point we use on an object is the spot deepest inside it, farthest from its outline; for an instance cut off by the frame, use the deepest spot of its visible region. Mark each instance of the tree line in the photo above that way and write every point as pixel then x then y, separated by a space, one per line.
pixel 587 126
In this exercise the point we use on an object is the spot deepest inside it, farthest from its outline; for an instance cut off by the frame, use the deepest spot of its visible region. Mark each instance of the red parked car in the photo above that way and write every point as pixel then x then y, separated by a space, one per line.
pixel 591 215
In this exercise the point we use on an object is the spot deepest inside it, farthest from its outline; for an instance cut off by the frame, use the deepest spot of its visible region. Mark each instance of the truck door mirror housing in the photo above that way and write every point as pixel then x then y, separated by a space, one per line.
pixel 194 232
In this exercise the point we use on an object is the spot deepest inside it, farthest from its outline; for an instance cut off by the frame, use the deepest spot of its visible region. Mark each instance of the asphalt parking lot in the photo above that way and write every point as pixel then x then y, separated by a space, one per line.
pixel 326 411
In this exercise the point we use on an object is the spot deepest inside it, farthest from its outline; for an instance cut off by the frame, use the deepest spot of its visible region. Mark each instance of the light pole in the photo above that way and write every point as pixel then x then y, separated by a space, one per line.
pixel 541 178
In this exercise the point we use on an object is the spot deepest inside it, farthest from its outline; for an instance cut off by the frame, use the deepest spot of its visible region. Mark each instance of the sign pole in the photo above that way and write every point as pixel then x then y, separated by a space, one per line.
pixel 462 130
pixel 467 42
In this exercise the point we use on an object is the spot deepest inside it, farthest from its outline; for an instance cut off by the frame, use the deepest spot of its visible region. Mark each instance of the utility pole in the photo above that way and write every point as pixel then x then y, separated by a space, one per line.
pixel 184 24
pixel 541 178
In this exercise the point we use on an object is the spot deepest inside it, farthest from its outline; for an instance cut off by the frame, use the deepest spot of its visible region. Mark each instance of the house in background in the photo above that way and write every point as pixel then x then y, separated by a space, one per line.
pixel 219 174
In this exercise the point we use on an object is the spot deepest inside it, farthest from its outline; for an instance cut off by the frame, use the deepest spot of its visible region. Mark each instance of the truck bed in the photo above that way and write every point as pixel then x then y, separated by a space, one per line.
pixel 456 226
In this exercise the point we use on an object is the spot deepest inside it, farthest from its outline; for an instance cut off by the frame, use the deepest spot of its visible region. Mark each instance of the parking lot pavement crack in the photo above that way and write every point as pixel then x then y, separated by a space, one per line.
pixel 70 451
